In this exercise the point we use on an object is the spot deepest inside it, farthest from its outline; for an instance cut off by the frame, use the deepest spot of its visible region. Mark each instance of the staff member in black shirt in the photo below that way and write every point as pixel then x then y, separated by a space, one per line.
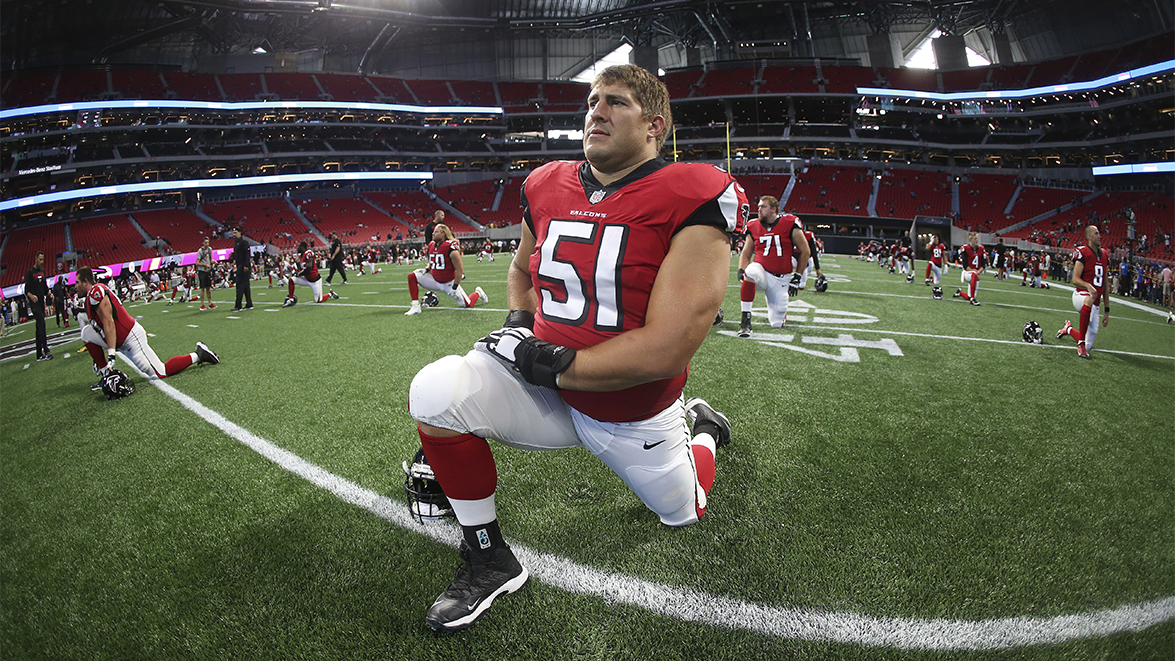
pixel 244 262
pixel 59 301
pixel 336 258
pixel 37 293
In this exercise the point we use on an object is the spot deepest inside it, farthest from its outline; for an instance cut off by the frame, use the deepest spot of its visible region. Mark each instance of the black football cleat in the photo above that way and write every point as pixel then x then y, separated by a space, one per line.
pixel 204 355
pixel 479 581
pixel 697 410
pixel 744 328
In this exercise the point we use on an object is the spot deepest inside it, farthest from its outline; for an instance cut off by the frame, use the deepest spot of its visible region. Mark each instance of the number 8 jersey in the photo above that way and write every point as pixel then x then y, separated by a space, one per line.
pixel 597 253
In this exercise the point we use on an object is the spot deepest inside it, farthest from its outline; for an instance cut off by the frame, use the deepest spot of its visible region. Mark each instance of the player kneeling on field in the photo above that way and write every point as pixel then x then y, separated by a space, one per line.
pixel 444 272
pixel 1090 266
pixel 307 277
pixel 601 366
pixel 104 318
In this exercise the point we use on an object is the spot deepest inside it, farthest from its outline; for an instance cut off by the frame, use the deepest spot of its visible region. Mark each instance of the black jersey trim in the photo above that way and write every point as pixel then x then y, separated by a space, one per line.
pixel 591 185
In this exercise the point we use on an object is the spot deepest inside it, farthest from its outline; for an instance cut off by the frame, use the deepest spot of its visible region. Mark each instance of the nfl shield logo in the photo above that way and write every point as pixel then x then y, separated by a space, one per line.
pixel 596 196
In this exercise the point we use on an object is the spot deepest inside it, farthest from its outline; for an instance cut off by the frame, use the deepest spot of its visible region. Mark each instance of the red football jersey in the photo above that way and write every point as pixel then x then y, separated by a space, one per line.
pixel 773 245
pixel 1095 266
pixel 937 252
pixel 123 321
pixel 309 266
pixel 440 263
pixel 973 258
pixel 1034 264
pixel 598 250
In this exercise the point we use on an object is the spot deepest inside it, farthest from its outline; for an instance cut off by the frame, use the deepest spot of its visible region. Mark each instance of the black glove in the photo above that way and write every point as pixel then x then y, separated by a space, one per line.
pixel 742 275
pixel 537 361
pixel 793 287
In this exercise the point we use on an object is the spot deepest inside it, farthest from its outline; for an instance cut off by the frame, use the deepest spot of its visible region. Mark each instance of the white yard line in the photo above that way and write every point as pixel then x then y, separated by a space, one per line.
pixel 719 611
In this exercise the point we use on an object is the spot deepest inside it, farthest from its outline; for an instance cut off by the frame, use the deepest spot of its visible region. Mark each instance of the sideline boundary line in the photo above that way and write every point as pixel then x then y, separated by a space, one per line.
pixel 695 606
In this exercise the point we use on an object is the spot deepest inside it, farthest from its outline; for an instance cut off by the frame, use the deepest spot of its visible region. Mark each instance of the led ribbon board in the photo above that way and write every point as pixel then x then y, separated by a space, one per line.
pixel 1067 88
pixel 189 184
pixel 140 104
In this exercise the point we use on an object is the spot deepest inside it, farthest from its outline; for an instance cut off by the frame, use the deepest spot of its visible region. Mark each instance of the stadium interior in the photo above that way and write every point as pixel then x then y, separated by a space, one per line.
pixel 791 96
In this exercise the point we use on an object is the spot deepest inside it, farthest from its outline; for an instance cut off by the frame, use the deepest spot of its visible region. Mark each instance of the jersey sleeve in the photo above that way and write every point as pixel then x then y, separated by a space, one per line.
pixel 94 296
pixel 728 211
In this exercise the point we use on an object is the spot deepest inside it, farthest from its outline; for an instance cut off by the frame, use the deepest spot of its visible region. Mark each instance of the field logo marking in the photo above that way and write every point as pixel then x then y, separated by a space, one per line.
pixel 723 612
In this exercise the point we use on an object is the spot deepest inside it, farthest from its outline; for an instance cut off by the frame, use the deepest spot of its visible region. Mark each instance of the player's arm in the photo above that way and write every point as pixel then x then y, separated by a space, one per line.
pixel 105 314
pixel 686 295
pixel 28 289
pixel 799 240
pixel 520 294
pixel 1079 282
pixel 458 265
pixel 1105 300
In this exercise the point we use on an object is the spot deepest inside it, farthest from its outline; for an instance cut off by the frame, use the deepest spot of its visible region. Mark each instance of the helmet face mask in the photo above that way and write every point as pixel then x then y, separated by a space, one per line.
pixel 821 284
pixel 936 292
pixel 1033 334
pixel 426 499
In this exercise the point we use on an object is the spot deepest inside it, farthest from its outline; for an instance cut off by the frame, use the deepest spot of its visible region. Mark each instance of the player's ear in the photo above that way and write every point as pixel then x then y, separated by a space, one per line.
pixel 656 128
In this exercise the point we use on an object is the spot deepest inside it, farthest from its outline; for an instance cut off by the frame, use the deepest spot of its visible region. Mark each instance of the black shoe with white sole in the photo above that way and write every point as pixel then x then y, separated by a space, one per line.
pixel 479 581
pixel 204 355
pixel 697 411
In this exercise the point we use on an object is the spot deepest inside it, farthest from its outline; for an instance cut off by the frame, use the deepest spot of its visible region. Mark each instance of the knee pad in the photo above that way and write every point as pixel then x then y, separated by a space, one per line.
pixel 436 386
pixel 756 274
pixel 90 335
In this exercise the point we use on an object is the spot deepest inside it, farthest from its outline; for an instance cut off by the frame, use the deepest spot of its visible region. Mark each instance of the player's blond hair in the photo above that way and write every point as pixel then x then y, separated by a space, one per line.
pixel 771 200
pixel 443 229
pixel 647 89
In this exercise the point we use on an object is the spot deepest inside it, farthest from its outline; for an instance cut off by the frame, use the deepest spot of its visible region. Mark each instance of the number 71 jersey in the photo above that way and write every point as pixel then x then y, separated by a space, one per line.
pixel 599 249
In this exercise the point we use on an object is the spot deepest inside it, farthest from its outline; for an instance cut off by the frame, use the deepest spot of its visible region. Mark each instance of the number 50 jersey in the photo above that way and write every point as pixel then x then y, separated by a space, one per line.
pixel 598 250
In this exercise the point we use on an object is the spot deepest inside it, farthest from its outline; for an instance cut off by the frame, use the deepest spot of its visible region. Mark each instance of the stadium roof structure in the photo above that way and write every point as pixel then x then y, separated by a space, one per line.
pixel 539 39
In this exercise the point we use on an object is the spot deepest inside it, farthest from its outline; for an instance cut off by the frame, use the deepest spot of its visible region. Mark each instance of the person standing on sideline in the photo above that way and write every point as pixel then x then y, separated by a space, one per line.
pixel 335 257
pixel 36 292
pixel 59 301
pixel 621 268
pixel 443 274
pixel 1168 302
pixel 1090 267
pixel 244 263
pixel 204 274
pixel 974 263
pixel 438 217
pixel 774 254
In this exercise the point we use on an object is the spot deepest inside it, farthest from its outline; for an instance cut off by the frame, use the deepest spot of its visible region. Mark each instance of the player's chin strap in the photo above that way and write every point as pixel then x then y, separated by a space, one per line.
pixel 539 362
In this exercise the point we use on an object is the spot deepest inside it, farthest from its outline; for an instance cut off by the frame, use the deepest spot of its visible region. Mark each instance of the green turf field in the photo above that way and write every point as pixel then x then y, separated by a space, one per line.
pixel 907 479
